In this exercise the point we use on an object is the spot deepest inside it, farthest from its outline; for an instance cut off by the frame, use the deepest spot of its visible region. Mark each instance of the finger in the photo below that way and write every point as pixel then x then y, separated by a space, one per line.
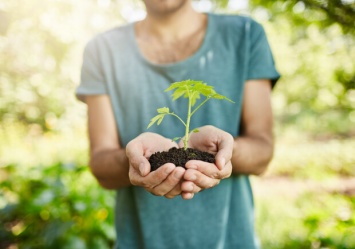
pixel 170 182
pixel 176 191
pixel 189 187
pixel 133 176
pixel 152 179
pixel 211 170
pixel 141 165
pixel 135 153
pixel 156 177
pixel 225 150
pixel 181 144
pixel 187 196
pixel 200 179
pixel 208 169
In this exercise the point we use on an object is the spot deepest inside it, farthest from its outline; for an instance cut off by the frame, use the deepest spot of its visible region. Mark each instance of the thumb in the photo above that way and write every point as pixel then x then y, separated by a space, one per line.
pixel 144 168
pixel 140 164
pixel 224 155
pixel 220 161
pixel 137 160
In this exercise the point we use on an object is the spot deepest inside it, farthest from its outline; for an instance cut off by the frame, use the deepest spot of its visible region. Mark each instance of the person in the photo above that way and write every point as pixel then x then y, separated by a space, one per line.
pixel 124 73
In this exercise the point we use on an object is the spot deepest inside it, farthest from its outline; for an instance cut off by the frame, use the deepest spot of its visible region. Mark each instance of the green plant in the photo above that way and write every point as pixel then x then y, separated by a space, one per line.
pixel 191 90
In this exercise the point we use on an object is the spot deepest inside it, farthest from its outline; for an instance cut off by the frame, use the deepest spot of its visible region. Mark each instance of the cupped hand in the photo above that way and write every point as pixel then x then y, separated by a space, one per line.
pixel 201 175
pixel 166 180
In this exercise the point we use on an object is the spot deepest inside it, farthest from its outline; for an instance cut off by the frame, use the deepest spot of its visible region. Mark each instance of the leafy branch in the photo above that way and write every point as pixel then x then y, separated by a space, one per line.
pixel 192 90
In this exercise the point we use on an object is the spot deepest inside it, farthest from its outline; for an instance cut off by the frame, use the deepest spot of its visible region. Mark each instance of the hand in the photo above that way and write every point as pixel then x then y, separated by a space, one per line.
pixel 201 175
pixel 165 181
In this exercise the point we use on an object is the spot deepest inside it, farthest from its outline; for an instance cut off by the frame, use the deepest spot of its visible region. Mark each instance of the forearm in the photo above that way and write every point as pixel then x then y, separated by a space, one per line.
pixel 110 167
pixel 251 155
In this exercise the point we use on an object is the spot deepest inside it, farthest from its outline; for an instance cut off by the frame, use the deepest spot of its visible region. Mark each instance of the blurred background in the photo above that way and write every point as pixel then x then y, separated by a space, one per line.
pixel 48 198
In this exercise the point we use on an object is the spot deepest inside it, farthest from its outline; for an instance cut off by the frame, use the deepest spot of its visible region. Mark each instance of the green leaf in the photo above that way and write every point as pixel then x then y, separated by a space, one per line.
pixel 219 96
pixel 195 130
pixel 161 119
pixel 163 110
pixel 174 86
pixel 192 90
pixel 186 84
pixel 158 118
pixel 178 93
pixel 194 98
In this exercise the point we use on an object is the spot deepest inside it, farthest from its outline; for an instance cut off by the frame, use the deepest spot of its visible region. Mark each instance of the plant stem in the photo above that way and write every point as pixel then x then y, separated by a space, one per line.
pixel 198 107
pixel 187 126
pixel 173 114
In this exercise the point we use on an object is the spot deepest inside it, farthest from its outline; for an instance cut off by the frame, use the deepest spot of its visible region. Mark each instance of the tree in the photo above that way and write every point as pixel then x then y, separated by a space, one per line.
pixel 323 12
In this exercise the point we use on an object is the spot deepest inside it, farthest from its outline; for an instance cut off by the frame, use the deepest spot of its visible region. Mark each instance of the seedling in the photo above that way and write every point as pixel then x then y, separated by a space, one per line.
pixel 191 90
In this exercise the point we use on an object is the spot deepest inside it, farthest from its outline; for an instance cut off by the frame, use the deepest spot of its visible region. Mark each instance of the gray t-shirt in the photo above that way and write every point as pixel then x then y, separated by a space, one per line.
pixel 234 50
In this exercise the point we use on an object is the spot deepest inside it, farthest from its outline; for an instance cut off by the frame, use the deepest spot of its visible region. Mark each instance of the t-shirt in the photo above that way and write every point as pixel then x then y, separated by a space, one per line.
pixel 234 49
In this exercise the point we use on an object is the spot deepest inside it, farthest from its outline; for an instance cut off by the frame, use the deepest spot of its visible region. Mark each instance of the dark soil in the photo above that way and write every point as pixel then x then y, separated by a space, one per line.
pixel 179 157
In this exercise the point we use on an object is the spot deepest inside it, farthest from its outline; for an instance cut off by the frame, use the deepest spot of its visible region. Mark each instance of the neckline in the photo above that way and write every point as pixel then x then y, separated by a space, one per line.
pixel 179 64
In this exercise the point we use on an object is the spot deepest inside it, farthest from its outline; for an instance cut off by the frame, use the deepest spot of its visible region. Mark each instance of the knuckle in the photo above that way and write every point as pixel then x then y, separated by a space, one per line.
pixel 152 191
pixel 216 175
pixel 169 196
pixel 228 172
pixel 209 184
pixel 133 181
pixel 158 193
pixel 213 183
pixel 196 189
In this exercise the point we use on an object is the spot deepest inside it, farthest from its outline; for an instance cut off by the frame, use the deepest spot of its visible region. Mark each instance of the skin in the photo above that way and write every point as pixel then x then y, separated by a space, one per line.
pixel 172 31
pixel 165 8
pixel 116 167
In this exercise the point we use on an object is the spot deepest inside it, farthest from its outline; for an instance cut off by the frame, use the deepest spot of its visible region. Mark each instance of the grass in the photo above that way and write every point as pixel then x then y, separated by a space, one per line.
pixel 307 197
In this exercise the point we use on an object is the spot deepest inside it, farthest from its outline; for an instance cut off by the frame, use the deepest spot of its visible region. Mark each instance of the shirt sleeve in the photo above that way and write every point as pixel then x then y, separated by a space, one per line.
pixel 261 62
pixel 92 79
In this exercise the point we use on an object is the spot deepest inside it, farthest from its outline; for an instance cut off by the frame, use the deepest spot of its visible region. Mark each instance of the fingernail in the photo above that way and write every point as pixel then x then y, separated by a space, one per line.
pixel 141 169
pixel 191 195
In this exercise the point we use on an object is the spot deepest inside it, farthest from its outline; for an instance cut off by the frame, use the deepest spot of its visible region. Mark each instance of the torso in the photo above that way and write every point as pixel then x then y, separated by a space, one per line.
pixel 223 61
pixel 160 52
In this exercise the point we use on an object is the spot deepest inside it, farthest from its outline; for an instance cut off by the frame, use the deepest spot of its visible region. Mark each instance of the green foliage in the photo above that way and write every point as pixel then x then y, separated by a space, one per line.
pixel 191 90
pixel 316 91
pixel 326 214
pixel 48 197
pixel 41 46
pixel 298 160
pixel 54 206
pixel 321 12
pixel 307 198
pixel 314 219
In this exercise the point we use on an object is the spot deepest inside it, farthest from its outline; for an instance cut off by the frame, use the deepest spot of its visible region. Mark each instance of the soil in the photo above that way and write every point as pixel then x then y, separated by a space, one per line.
pixel 179 157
